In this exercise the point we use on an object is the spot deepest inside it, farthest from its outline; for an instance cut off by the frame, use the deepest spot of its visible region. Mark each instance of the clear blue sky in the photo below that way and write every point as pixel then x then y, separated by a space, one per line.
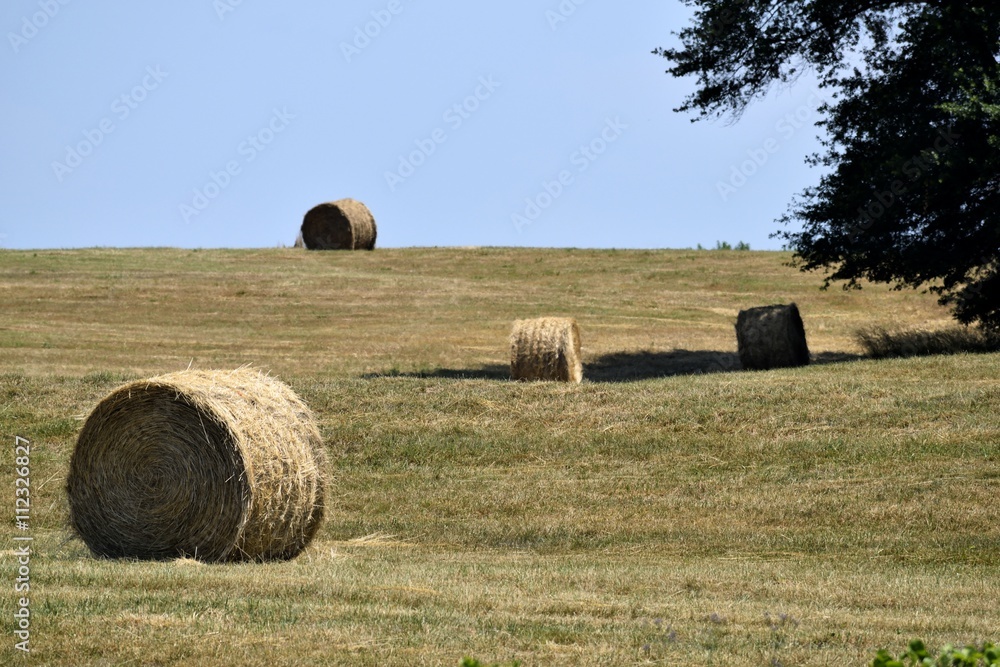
pixel 202 123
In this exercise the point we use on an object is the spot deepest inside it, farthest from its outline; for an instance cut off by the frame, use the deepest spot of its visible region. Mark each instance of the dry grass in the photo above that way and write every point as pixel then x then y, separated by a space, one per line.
pixel 547 348
pixel 881 342
pixel 669 510
pixel 214 465
pixel 299 314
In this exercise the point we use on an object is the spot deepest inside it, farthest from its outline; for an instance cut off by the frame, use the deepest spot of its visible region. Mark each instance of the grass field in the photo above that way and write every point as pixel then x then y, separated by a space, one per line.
pixel 670 510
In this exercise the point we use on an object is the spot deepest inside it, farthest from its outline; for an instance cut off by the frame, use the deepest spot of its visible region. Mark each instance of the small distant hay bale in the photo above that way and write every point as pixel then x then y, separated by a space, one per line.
pixel 211 465
pixel 771 337
pixel 547 348
pixel 344 224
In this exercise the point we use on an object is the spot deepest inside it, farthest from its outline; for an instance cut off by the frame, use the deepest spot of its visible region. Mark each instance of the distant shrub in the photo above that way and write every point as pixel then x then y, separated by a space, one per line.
pixel 724 245
pixel 918 655
pixel 881 343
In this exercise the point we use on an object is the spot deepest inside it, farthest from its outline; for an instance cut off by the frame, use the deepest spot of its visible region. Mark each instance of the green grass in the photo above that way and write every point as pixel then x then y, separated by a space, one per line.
pixel 666 511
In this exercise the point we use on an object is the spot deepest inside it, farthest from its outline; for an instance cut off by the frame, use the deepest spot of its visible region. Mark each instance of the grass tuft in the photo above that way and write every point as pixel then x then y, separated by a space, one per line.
pixel 883 343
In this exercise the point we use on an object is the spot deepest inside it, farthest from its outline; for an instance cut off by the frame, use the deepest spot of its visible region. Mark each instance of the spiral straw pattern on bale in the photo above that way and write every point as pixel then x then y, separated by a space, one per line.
pixel 344 224
pixel 213 465
pixel 771 337
pixel 547 348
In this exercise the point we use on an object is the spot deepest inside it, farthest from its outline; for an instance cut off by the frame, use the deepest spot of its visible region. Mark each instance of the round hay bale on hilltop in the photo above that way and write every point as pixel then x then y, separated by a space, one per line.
pixel 547 348
pixel 212 465
pixel 771 337
pixel 344 224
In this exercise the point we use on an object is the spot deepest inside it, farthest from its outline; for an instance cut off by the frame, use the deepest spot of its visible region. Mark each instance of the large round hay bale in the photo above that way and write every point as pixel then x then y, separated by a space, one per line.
pixel 771 337
pixel 547 348
pixel 344 224
pixel 213 465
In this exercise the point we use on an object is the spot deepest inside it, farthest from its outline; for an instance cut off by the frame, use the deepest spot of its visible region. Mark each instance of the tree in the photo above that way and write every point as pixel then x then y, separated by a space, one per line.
pixel 911 193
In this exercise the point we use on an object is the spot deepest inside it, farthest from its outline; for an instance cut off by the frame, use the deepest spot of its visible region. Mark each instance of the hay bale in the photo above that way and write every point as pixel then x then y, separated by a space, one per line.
pixel 771 337
pixel 213 465
pixel 344 224
pixel 547 348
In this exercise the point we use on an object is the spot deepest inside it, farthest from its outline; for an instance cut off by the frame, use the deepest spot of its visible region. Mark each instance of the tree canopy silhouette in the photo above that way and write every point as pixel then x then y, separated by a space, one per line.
pixel 911 196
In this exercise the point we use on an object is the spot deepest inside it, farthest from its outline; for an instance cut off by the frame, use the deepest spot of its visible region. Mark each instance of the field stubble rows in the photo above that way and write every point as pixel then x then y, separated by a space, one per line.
pixel 806 516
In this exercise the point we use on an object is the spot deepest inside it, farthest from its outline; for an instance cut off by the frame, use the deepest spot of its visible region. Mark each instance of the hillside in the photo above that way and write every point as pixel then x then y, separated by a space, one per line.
pixel 669 510
pixel 346 314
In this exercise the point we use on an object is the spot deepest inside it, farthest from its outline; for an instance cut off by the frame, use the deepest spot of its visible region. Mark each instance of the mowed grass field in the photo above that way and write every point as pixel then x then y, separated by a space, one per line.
pixel 670 510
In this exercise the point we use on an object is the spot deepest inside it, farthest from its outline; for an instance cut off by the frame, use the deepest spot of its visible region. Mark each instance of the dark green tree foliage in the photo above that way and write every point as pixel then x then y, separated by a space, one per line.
pixel 911 193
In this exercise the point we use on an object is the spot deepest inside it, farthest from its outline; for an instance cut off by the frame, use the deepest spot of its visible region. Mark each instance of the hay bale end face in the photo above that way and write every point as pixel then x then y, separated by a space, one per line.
pixel 547 348
pixel 212 465
pixel 344 224
pixel 771 337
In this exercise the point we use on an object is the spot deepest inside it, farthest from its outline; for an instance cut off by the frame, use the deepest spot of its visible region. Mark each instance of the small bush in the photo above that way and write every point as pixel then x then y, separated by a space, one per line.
pixel 724 245
pixel 917 655
pixel 881 343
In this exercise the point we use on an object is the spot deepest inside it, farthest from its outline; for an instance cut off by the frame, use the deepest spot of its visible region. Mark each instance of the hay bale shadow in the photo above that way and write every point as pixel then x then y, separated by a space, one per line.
pixel 623 366
pixel 647 364
pixel 487 372
pixel 835 357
